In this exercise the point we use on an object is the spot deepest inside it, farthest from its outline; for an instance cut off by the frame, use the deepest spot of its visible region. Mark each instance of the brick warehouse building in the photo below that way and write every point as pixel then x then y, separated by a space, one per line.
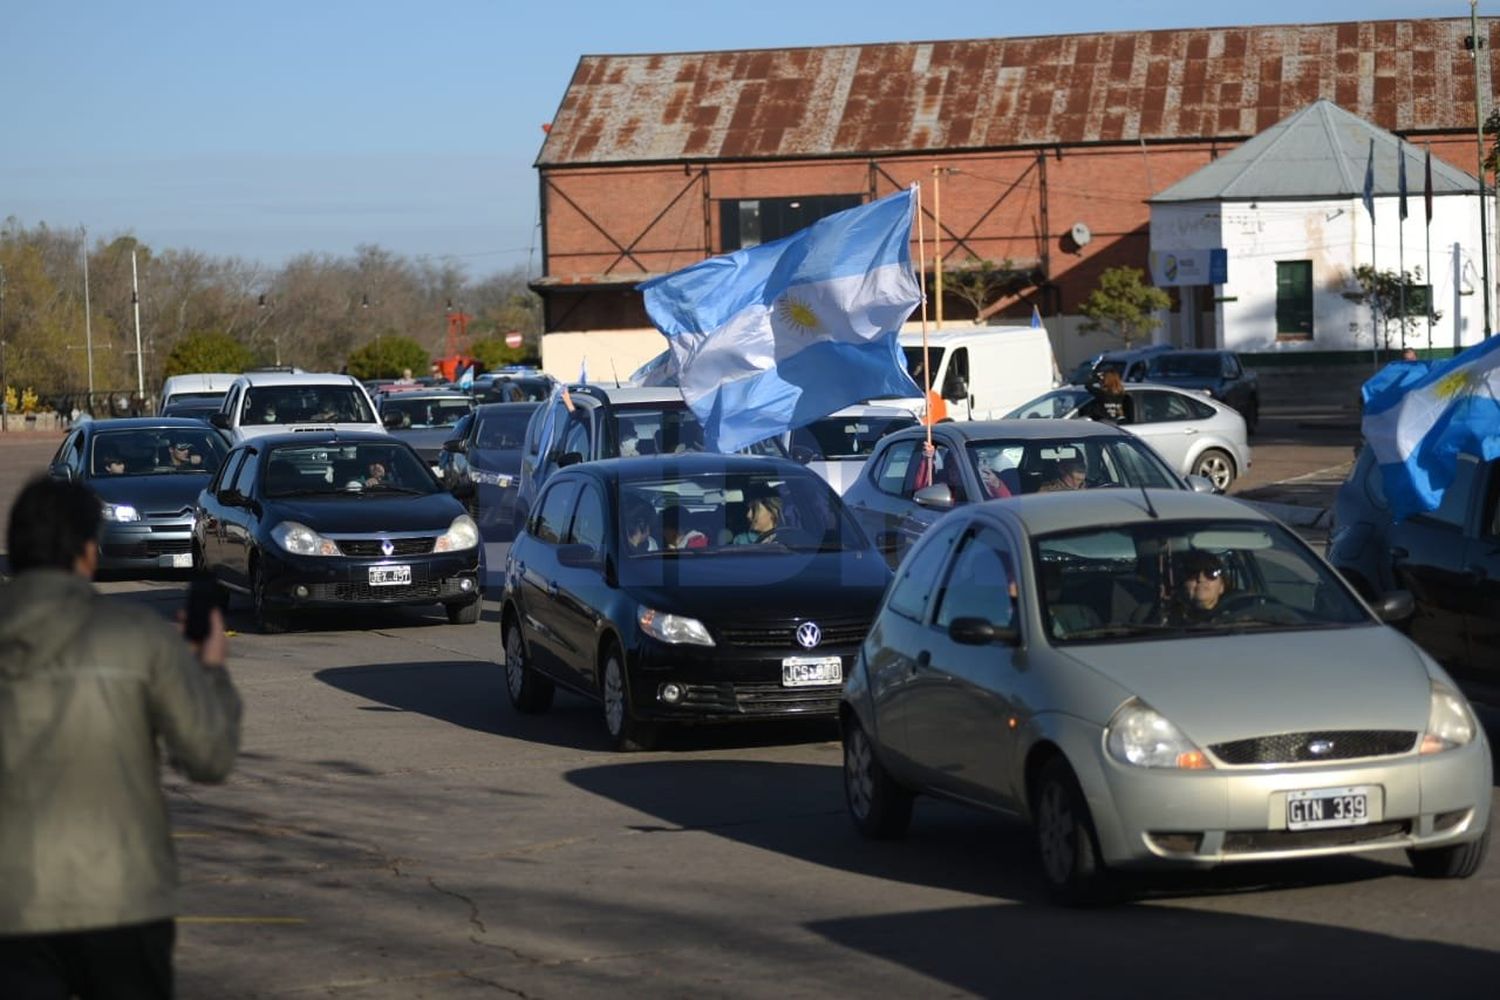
pixel 656 161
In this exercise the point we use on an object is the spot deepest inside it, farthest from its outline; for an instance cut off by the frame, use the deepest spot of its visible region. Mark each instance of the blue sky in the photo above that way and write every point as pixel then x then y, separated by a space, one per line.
pixel 286 126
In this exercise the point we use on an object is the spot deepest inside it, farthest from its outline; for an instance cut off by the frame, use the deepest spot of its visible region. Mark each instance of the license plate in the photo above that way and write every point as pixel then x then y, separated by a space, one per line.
pixel 182 560
pixel 1323 807
pixel 389 576
pixel 811 671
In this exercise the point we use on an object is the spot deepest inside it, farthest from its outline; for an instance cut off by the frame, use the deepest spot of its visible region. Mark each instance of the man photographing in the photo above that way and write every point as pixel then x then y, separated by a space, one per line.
pixel 92 694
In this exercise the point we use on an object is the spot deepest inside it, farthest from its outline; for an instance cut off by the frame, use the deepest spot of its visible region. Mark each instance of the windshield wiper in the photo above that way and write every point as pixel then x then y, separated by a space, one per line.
pixel 1119 631
pixel 388 488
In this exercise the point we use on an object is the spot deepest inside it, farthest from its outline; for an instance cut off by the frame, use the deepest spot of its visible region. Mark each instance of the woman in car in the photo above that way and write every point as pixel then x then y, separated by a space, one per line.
pixel 763 513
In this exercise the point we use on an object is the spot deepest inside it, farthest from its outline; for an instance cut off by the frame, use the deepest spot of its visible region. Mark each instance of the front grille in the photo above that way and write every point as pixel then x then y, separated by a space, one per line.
pixel 371 547
pixel 1270 841
pixel 364 593
pixel 1296 748
pixel 783 634
pixel 760 699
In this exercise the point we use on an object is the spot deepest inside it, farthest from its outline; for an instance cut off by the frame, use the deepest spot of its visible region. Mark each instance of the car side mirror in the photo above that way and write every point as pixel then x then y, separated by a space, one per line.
pixel 1395 606
pixel 802 455
pixel 60 470
pixel 219 420
pixel 463 491
pixel 955 389
pixel 1201 484
pixel 455 445
pixel 569 458
pixel 980 632
pixel 580 557
pixel 231 498
pixel 936 495
pixel 391 420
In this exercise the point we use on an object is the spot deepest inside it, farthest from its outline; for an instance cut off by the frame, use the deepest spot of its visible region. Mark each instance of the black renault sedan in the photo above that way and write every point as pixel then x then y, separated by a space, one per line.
pixel 687 588
pixel 147 471
pixel 329 520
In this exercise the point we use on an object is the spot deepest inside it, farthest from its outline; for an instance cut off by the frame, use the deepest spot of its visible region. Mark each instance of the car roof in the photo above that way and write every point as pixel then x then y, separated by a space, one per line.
pixel 1023 429
pixel 869 410
pixel 426 392
pixel 211 381
pixel 320 437
pixel 624 394
pixel 1045 513
pixel 944 338
pixel 142 424
pixel 692 463
pixel 522 407
pixel 297 378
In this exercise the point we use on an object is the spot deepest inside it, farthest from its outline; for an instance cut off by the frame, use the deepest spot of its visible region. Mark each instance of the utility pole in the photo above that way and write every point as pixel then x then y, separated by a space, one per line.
pixel 3 408
pixel 140 359
pixel 1476 45
pixel 88 323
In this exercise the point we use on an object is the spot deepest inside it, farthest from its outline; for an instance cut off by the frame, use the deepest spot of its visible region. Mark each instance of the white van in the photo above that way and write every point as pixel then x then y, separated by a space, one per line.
pixel 981 372
pixel 200 387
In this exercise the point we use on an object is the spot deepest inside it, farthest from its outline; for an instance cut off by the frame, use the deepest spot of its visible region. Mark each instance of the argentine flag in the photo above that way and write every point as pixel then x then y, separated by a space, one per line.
pixel 1418 426
pixel 771 338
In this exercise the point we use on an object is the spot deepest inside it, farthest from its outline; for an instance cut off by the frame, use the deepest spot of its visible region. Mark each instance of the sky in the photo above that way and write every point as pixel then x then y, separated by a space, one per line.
pixel 267 130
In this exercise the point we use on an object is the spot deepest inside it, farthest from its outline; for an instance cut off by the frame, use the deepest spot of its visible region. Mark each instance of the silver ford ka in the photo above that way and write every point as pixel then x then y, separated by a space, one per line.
pixel 1157 678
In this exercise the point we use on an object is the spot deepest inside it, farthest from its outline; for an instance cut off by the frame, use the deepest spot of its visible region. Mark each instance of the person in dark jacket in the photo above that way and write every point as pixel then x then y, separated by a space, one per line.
pixel 1110 403
pixel 93 694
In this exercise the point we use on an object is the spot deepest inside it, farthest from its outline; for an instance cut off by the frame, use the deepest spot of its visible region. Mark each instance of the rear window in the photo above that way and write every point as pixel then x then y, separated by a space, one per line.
pixel 305 404
pixel 846 437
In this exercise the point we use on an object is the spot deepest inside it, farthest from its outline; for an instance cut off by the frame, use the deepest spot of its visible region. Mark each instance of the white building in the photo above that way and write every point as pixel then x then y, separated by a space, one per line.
pixel 1286 211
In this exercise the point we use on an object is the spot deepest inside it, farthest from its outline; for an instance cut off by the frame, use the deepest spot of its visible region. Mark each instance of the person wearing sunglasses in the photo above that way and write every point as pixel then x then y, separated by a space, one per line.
pixel 184 455
pixel 1201 587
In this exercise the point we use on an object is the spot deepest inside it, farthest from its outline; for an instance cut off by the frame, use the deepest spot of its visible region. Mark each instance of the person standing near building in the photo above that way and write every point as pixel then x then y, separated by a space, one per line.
pixel 92 695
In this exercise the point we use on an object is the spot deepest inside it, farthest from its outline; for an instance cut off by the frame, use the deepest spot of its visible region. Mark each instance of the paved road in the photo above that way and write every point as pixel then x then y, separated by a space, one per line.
pixel 395 830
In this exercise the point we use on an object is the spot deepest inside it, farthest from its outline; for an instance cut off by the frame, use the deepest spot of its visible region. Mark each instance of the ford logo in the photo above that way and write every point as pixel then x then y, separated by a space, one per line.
pixel 1320 747
pixel 387 546
pixel 809 635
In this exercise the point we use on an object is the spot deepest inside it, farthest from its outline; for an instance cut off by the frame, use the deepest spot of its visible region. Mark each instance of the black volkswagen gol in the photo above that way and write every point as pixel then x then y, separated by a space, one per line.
pixel 689 588
pixel 327 520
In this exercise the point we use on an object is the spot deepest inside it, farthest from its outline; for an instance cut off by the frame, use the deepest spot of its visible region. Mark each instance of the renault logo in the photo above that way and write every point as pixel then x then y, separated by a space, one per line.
pixel 809 635
pixel 387 546
pixel 1320 747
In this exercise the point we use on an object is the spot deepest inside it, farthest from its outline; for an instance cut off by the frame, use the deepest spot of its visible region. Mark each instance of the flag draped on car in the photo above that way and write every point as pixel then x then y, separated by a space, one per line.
pixel 773 337
pixel 1418 427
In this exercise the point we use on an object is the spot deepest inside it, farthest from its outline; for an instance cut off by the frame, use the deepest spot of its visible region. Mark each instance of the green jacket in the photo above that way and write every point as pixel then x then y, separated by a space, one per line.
pixel 91 694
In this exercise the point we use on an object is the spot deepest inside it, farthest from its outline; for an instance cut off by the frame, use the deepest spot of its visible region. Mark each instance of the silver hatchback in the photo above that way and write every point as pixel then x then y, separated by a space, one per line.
pixel 1157 678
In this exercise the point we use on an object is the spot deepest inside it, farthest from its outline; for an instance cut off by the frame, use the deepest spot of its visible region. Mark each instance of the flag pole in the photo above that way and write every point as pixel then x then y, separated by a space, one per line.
pixel 922 277
pixel 1428 273
pixel 1401 241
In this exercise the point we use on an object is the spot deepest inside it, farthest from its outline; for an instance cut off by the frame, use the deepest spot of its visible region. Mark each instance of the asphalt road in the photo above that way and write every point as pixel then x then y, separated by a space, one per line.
pixel 394 829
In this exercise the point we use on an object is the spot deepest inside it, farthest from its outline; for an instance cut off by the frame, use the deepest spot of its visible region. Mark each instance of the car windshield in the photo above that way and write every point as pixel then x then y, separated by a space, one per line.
pixel 330 468
pixel 1190 365
pixel 518 390
pixel 744 514
pixel 667 430
pixel 1046 465
pixel 845 437
pixel 1170 579
pixel 305 404
pixel 157 451
pixel 1058 403
pixel 503 429
pixel 410 414
pixel 914 366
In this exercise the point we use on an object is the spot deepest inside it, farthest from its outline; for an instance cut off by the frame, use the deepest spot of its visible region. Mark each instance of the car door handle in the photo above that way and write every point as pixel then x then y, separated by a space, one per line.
pixel 1190 430
pixel 552 589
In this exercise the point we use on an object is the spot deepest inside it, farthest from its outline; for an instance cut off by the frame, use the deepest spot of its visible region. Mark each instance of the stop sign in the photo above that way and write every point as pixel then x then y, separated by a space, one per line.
pixel 513 339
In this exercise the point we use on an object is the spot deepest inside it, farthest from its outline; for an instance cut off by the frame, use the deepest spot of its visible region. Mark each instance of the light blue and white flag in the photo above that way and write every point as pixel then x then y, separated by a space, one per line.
pixel 1036 318
pixel 1417 428
pixel 583 370
pixel 776 336
pixel 466 380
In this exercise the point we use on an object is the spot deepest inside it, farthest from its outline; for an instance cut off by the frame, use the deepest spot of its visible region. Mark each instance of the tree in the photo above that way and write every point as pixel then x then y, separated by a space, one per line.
pixel 208 351
pixel 1123 305
pixel 388 357
pixel 1382 292
pixel 979 282
pixel 492 353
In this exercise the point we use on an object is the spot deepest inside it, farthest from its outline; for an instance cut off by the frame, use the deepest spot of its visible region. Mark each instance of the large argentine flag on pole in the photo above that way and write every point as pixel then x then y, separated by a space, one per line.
pixel 1418 427
pixel 776 336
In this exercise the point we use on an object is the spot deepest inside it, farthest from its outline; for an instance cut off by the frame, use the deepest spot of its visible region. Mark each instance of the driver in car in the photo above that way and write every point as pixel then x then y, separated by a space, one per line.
pixel 1200 596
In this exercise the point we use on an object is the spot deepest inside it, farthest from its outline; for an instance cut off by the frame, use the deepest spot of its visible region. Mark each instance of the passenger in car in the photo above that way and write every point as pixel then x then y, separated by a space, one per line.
pixel 637 520
pixel 676 535
pixel 763 512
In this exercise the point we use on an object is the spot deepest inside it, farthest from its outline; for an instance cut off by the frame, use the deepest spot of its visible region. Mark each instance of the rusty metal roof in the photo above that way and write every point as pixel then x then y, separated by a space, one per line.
pixel 1196 83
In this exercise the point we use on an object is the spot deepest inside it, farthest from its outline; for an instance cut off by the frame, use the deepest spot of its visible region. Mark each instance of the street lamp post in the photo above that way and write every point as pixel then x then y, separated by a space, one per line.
pixel 2 350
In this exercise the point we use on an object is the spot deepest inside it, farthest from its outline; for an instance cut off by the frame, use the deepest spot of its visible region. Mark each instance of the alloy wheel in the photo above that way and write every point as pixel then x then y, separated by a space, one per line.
pixel 1216 467
pixel 515 665
pixel 857 778
pixel 614 696
pixel 1057 832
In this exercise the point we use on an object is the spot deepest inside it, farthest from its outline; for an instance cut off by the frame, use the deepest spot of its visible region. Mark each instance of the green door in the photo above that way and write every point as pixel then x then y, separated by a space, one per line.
pixel 1294 299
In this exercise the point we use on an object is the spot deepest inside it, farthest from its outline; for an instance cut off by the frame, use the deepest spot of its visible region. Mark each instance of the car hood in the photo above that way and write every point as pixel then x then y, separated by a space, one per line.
pixel 427 441
pixel 1219 688
pixel 162 494
pixel 759 586
pixel 358 514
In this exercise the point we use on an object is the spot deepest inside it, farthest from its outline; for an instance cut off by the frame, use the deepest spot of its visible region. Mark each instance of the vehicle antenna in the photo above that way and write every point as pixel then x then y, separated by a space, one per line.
pixel 1150 508
pixel 613 371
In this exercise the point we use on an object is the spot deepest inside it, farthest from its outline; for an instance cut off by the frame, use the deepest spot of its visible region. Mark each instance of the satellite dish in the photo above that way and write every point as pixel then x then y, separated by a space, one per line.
pixel 1080 234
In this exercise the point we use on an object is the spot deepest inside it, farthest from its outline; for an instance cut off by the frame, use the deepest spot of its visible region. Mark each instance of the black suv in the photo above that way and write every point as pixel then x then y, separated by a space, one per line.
pixel 618 422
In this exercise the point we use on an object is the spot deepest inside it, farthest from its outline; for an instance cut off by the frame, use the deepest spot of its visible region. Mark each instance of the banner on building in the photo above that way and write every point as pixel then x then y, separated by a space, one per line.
pixel 1174 268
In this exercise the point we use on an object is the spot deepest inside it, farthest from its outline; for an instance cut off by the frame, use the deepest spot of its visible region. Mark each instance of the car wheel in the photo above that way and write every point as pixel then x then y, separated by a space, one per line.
pixel 1458 861
pixel 464 614
pixel 625 731
pixel 1217 467
pixel 1065 838
pixel 267 621
pixel 529 691
pixel 880 808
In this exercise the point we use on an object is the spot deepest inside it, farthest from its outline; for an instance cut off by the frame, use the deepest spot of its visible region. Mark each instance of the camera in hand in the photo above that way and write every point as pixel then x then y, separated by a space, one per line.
pixel 201 600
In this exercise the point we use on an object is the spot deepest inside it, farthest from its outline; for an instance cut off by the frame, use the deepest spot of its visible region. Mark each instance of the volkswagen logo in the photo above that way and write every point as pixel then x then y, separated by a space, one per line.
pixel 1320 747
pixel 809 635
pixel 387 546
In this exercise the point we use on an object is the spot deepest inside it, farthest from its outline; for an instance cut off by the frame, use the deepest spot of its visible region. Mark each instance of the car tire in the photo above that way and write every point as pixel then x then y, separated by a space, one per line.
pixel 1066 840
pixel 1458 861
pixel 529 691
pixel 626 733
pixel 1217 467
pixel 267 621
pixel 879 807
pixel 463 614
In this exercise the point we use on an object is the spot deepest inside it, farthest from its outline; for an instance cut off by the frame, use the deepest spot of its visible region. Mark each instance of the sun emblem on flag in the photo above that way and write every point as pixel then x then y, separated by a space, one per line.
pixel 1455 384
pixel 798 314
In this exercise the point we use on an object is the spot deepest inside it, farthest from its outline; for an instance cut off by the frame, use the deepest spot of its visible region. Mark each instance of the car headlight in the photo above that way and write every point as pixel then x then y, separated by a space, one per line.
pixel 121 513
pixel 461 534
pixel 300 540
pixel 1141 736
pixel 675 629
pixel 1450 724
